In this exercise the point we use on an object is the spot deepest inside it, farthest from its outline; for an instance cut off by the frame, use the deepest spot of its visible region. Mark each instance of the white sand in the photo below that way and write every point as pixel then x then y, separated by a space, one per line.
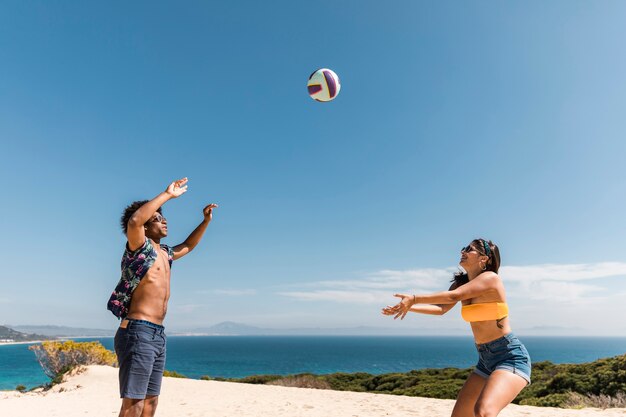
pixel 95 393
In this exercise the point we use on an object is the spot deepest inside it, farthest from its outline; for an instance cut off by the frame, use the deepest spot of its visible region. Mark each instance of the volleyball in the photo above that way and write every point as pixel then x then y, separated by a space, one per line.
pixel 323 85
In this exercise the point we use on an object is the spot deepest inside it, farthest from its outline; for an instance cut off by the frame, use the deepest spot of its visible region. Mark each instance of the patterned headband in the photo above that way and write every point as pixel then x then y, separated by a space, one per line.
pixel 486 246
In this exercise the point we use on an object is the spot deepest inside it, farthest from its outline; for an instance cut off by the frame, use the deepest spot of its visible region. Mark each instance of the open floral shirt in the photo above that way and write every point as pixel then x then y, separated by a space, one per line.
pixel 135 264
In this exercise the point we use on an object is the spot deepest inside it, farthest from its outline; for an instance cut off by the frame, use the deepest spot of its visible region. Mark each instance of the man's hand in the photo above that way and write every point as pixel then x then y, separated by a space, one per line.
pixel 177 188
pixel 195 236
pixel 208 211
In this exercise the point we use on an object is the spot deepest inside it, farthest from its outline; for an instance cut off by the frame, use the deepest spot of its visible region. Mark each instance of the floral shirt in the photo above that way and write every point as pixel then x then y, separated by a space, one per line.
pixel 135 264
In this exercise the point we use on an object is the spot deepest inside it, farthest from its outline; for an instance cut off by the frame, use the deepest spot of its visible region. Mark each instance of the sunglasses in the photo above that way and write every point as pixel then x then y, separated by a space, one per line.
pixel 158 219
pixel 467 249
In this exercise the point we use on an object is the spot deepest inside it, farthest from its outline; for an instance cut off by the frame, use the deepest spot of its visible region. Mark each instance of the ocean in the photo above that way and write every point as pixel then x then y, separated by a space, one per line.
pixel 239 356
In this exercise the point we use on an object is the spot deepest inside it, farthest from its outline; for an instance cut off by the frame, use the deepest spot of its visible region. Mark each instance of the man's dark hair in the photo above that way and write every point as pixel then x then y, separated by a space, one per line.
pixel 130 210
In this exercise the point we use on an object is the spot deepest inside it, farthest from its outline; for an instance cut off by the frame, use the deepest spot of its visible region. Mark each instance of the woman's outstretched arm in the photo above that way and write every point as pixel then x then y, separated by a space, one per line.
pixel 484 282
pixel 433 309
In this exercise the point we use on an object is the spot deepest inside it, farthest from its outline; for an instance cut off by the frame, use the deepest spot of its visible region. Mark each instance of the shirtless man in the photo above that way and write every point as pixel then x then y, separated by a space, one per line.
pixel 140 299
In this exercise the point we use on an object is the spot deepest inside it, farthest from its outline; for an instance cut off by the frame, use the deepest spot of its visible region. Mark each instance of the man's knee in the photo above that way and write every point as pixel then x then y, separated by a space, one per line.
pixel 151 401
pixel 150 404
pixel 131 407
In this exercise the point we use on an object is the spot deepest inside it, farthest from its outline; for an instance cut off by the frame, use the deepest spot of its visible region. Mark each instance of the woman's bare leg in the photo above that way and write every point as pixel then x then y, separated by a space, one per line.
pixel 501 388
pixel 466 400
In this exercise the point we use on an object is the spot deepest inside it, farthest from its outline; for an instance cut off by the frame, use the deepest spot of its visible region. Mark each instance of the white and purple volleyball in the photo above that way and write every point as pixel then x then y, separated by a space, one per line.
pixel 323 85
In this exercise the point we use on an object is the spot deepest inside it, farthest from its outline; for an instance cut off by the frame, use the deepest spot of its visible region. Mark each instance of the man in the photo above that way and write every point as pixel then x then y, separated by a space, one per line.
pixel 140 299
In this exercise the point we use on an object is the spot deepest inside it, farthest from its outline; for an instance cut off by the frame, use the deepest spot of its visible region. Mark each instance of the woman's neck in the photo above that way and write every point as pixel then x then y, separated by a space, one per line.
pixel 473 274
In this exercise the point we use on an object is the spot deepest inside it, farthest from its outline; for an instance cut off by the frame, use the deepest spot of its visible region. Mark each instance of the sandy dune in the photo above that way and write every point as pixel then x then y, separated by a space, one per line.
pixel 94 393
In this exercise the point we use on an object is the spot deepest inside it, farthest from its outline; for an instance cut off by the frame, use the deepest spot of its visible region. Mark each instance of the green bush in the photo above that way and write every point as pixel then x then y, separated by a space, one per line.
pixel 301 381
pixel 597 401
pixel 550 400
pixel 173 374
pixel 555 385
pixel 257 379
pixel 436 383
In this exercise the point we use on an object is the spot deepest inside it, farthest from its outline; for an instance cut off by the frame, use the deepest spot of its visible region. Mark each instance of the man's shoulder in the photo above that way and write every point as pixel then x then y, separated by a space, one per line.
pixel 144 251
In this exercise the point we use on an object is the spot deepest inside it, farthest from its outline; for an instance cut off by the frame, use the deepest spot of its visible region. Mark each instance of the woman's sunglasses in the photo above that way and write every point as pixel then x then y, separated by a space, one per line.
pixel 470 248
pixel 467 249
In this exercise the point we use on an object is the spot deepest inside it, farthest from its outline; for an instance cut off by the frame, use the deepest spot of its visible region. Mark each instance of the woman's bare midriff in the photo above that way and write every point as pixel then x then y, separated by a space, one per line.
pixel 486 331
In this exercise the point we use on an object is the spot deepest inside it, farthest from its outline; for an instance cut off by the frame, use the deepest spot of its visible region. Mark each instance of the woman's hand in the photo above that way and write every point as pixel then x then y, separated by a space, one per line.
pixel 402 308
pixel 389 311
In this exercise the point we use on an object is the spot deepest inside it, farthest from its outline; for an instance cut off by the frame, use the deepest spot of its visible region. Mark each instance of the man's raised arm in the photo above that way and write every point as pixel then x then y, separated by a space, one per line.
pixel 135 232
pixel 194 238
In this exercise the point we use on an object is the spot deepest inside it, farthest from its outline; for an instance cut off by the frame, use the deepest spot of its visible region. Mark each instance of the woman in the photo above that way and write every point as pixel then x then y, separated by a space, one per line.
pixel 503 368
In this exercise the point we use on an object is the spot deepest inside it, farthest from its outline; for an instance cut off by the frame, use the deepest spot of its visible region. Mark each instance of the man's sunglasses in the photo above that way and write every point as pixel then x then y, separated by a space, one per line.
pixel 157 219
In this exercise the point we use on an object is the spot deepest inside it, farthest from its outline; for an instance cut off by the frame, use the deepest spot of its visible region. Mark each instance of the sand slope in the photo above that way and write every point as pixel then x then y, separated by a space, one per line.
pixel 95 393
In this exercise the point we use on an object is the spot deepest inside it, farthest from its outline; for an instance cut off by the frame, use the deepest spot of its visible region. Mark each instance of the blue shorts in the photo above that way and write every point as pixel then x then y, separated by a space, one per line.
pixel 140 349
pixel 506 353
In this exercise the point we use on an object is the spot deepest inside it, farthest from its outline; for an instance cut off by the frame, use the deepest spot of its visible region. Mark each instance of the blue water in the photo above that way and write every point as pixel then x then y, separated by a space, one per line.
pixel 239 356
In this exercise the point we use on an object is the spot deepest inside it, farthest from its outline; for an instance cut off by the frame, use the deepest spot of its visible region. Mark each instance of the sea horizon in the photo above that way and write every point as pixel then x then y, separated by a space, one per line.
pixel 192 335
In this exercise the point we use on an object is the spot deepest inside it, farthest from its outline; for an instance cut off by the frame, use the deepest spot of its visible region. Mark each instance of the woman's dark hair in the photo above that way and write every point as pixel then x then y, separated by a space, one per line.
pixel 130 210
pixel 485 248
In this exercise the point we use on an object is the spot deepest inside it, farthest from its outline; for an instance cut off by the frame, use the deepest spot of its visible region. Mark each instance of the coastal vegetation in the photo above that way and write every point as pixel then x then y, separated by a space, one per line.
pixel 58 358
pixel 173 374
pixel 601 383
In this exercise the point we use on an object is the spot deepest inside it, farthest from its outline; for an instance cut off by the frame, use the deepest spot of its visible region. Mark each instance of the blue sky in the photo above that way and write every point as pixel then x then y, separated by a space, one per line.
pixel 455 120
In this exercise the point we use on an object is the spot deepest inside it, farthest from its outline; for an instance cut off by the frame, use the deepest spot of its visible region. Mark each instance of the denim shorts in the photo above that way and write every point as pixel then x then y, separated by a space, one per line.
pixel 140 349
pixel 506 353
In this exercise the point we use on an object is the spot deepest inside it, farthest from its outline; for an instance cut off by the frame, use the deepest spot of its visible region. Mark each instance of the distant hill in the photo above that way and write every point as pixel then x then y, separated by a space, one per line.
pixel 64 331
pixel 10 335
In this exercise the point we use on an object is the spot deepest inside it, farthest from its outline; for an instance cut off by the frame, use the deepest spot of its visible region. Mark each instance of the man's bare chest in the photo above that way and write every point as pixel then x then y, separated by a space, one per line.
pixel 159 272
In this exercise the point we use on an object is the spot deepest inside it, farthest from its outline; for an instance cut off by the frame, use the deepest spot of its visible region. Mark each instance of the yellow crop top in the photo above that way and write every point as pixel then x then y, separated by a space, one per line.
pixel 484 311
